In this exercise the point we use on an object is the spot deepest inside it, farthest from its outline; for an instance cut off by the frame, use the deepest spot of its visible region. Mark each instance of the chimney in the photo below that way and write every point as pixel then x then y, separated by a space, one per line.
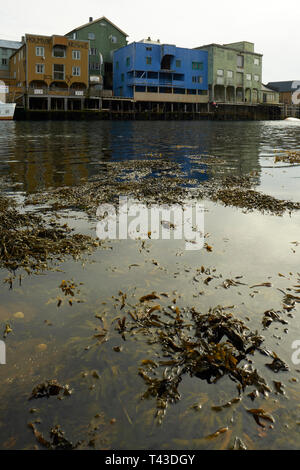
pixel 90 19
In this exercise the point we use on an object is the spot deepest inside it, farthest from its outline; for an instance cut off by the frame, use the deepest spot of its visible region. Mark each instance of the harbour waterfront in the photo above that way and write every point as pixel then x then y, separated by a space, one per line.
pixel 83 344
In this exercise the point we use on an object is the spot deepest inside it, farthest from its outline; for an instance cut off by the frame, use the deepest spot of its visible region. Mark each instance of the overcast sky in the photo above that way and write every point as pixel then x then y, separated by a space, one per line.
pixel 272 25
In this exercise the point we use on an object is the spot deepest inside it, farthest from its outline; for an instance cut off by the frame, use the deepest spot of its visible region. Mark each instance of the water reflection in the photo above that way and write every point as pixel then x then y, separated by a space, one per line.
pixel 50 154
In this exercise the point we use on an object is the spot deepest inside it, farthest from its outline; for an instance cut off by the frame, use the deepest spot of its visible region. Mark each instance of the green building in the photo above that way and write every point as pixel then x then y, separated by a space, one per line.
pixel 234 72
pixel 105 38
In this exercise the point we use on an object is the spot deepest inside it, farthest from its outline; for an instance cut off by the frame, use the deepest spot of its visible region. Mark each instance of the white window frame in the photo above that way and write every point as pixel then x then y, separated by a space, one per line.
pixel 76 69
pixel 37 67
pixel 220 73
pixel 40 51
pixel 76 55
pixel 256 61
pixel 229 73
pixel 248 76
pixel 91 36
pixel 256 78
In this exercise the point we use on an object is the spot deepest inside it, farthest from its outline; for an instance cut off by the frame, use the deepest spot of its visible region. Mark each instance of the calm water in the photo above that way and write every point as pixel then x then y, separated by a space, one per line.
pixel 40 155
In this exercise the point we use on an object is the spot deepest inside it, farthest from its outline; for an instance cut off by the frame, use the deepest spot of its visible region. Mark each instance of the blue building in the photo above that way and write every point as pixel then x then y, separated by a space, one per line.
pixel 151 71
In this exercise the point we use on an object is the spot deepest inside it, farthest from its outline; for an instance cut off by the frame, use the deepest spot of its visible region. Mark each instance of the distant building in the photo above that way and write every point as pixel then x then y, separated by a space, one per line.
pixel 51 72
pixel 7 48
pixel 268 95
pixel 104 38
pixel 289 92
pixel 151 71
pixel 234 72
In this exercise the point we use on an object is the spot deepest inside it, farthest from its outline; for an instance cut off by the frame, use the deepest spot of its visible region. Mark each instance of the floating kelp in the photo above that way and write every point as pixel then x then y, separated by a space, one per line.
pixel 289 156
pixel 57 439
pixel 50 388
pixel 31 243
pixel 208 347
pixel 159 182
pixel 254 200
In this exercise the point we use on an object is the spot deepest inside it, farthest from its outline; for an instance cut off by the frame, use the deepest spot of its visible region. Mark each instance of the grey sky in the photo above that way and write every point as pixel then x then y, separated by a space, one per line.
pixel 272 25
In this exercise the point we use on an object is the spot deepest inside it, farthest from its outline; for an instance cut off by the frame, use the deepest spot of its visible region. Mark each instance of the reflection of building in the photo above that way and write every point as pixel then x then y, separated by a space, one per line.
pixel 234 72
pixel 7 48
pixel 289 92
pixel 51 72
pixel 151 71
pixel 104 37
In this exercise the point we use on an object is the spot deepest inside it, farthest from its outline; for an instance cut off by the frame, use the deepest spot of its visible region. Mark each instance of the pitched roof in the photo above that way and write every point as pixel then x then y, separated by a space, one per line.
pixel 10 44
pixel 291 85
pixel 96 21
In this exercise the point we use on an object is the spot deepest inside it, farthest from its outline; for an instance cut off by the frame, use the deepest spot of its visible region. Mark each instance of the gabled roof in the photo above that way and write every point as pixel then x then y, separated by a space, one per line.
pixel 96 21
pixel 282 87
pixel 266 88
pixel 10 44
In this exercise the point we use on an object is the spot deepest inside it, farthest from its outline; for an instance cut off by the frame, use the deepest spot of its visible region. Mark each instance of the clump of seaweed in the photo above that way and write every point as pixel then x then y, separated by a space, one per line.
pixel 209 347
pixel 254 200
pixel 29 242
pixel 289 156
pixel 57 439
pixel 159 182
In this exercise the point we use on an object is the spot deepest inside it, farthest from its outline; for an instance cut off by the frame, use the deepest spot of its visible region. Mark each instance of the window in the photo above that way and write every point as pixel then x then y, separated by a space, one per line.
pixel 240 61
pixel 178 63
pixel 113 39
pixel 93 51
pixel 229 74
pixel 248 76
pixel 122 77
pixel 74 35
pixel 117 65
pixel 256 61
pixel 4 52
pixel 128 61
pixel 40 51
pixel 76 71
pixel 91 36
pixel 4 61
pixel 76 55
pixel 197 65
pixel 59 51
pixel 148 48
pixel 58 71
pixel 197 79
pixel 220 72
pixel 148 60
pixel 256 78
pixel 39 68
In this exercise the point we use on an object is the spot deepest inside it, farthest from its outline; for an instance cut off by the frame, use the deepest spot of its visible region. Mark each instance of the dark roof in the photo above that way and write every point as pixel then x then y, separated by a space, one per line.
pixel 10 44
pixel 96 21
pixel 284 86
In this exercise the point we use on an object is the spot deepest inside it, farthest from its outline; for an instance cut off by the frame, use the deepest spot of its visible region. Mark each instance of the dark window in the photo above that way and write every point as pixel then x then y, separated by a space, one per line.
pixel 59 51
pixel 197 65
pixel 148 60
pixel 178 63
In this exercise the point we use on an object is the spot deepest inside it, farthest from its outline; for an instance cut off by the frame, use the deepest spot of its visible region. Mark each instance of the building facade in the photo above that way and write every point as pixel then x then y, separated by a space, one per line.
pixel 51 72
pixel 104 38
pixel 268 95
pixel 7 48
pixel 289 92
pixel 151 71
pixel 234 72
